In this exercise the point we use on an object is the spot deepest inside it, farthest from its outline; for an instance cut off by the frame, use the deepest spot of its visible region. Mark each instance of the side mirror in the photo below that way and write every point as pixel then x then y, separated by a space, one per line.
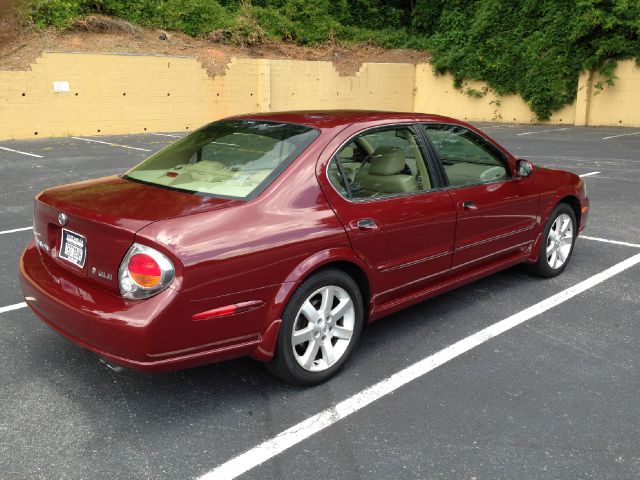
pixel 524 168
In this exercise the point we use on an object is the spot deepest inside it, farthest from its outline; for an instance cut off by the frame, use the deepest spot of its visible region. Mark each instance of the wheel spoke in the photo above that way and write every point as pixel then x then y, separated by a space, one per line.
pixel 558 262
pixel 327 299
pixel 342 333
pixel 338 312
pixel 309 311
pixel 553 258
pixel 328 353
pixel 550 249
pixel 566 223
pixel 309 355
pixel 303 335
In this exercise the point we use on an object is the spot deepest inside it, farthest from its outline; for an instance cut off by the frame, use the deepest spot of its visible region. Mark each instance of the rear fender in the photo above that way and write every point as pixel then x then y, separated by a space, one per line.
pixel 299 274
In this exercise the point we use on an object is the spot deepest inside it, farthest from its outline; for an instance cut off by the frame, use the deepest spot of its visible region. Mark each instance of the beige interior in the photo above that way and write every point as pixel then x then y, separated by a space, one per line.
pixel 208 177
pixel 468 173
pixel 384 174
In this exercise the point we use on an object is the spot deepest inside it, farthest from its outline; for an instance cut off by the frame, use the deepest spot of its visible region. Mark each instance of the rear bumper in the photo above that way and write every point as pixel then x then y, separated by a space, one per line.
pixel 152 335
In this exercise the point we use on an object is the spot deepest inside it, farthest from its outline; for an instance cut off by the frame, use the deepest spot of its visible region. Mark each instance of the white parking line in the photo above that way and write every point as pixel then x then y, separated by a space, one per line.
pixel 15 230
pixel 20 152
pixel 17 306
pixel 615 242
pixel 544 131
pixel 589 174
pixel 318 422
pixel 165 135
pixel 621 135
pixel 111 144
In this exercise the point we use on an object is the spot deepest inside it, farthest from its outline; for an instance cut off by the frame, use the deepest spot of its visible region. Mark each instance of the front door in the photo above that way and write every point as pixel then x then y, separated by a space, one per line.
pixel 496 210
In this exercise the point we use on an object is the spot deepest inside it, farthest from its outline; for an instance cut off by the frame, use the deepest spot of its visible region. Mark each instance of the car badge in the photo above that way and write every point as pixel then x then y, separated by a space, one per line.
pixel 62 219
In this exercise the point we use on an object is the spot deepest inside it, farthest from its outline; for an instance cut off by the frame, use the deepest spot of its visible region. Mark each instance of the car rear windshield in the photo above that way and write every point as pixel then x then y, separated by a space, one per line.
pixel 232 158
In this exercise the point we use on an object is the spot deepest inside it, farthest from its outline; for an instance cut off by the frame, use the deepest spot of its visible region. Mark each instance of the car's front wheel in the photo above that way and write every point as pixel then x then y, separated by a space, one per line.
pixel 557 245
pixel 320 327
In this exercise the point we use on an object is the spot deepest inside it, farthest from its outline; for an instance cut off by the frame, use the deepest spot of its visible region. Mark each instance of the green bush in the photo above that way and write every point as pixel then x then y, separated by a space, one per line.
pixel 57 13
pixel 535 48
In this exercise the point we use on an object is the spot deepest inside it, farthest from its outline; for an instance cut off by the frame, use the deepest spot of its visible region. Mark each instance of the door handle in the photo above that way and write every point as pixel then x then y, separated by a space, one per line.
pixel 469 206
pixel 367 224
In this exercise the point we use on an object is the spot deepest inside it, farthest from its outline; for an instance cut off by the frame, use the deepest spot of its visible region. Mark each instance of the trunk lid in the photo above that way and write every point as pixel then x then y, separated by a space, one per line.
pixel 102 217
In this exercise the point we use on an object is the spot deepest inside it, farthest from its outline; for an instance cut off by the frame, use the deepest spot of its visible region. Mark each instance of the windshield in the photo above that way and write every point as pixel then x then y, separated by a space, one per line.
pixel 232 158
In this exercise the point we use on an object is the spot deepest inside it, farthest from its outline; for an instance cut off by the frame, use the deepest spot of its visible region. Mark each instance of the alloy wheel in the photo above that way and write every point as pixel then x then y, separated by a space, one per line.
pixel 559 241
pixel 323 328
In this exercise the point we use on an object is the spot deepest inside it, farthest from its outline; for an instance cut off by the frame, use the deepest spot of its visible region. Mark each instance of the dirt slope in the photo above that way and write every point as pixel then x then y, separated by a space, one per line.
pixel 19 47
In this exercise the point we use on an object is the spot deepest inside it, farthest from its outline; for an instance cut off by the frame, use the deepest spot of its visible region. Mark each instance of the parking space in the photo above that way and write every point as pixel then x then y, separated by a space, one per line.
pixel 550 400
pixel 552 397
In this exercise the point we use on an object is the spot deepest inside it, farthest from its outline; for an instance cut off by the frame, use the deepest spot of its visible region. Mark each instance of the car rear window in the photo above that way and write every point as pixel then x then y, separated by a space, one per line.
pixel 230 158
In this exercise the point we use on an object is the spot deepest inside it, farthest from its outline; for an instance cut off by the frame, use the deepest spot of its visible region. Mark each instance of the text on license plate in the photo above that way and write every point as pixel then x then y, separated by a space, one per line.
pixel 73 247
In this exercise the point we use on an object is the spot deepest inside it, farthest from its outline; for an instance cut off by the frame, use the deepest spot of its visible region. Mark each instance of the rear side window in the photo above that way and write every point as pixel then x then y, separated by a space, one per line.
pixel 467 157
pixel 380 163
pixel 237 158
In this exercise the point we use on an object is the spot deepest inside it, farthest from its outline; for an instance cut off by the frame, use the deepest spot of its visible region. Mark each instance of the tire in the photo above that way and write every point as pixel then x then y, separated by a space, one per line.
pixel 325 335
pixel 555 251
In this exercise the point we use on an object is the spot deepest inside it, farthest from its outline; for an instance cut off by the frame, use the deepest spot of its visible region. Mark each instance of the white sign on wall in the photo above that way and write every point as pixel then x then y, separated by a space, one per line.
pixel 61 86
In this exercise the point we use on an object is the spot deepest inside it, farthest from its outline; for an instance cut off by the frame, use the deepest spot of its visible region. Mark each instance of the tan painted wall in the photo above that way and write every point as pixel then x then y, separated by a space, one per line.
pixel 112 94
pixel 618 105
pixel 436 94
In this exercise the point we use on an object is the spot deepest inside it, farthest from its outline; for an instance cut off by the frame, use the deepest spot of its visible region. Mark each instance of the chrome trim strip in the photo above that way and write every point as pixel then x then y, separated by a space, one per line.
pixel 392 268
pixel 419 280
pixel 492 254
pixel 497 237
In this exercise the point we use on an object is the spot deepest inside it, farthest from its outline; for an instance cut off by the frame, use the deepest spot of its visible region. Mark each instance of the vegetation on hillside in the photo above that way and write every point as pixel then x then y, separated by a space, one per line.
pixel 535 48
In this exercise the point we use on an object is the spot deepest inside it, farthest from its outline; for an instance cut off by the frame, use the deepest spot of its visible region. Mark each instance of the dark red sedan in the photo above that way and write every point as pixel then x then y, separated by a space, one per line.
pixel 278 236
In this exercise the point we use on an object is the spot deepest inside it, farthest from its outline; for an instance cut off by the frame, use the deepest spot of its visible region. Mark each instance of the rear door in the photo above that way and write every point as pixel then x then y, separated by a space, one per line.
pixel 496 211
pixel 398 220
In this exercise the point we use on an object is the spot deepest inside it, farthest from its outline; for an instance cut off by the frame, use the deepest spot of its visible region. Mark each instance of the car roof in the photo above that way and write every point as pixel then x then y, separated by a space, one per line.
pixel 335 118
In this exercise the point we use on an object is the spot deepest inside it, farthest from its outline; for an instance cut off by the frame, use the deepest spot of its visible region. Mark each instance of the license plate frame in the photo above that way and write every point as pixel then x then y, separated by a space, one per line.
pixel 73 248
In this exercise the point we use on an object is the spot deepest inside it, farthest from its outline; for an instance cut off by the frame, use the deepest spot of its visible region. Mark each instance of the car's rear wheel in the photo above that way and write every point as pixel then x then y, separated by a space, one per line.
pixel 557 245
pixel 320 327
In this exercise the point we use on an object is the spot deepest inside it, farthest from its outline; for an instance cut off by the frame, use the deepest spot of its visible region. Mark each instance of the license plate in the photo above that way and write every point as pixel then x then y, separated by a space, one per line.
pixel 73 248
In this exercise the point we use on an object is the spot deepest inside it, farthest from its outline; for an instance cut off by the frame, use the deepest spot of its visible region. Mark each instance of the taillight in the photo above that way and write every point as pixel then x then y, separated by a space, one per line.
pixel 144 272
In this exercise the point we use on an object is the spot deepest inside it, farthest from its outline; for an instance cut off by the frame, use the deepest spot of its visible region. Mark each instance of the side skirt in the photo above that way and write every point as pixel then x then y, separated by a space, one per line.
pixel 449 283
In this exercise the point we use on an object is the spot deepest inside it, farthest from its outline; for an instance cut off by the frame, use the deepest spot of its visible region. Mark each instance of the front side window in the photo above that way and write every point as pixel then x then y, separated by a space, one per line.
pixel 380 163
pixel 234 158
pixel 467 157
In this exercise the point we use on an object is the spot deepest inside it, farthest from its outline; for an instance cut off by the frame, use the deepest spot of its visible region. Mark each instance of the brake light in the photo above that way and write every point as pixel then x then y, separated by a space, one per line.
pixel 144 272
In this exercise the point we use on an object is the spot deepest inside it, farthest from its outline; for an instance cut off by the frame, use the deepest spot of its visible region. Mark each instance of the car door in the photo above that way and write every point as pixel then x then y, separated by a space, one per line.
pixel 496 211
pixel 398 219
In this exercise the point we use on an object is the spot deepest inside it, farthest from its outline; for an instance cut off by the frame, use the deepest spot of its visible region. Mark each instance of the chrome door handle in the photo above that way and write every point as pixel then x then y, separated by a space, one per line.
pixel 469 206
pixel 367 224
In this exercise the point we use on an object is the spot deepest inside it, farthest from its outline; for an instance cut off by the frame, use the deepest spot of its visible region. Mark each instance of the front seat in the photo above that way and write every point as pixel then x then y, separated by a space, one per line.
pixel 384 174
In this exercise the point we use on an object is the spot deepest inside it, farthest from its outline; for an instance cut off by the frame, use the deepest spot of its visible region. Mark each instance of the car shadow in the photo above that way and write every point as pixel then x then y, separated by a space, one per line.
pixel 242 391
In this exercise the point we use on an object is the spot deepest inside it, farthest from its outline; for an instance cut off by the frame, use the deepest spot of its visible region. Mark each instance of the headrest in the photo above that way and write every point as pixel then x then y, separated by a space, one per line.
pixel 206 166
pixel 386 161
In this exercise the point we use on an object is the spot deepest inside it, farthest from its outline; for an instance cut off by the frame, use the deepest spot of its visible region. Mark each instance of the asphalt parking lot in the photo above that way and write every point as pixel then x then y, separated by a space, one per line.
pixel 554 396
